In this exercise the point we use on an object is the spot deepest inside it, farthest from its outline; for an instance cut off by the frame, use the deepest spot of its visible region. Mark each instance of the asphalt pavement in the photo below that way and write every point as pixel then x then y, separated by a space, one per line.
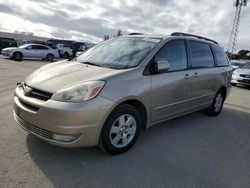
pixel 192 151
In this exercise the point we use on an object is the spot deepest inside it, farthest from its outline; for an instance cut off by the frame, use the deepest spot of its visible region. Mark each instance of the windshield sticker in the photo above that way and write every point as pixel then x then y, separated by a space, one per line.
pixel 151 40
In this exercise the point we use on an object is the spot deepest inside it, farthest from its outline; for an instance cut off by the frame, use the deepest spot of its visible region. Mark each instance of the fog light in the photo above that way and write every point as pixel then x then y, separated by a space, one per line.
pixel 65 138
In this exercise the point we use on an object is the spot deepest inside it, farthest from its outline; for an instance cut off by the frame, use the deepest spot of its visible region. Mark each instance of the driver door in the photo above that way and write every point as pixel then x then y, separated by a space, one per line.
pixel 171 90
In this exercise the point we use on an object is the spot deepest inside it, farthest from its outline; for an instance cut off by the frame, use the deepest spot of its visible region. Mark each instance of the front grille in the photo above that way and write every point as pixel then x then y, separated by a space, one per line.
pixel 42 95
pixel 33 129
pixel 243 75
pixel 244 81
pixel 36 93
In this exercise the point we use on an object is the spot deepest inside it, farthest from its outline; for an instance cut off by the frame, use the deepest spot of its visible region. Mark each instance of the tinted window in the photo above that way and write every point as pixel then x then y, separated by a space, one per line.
pixel 175 53
pixel 201 54
pixel 37 47
pixel 221 58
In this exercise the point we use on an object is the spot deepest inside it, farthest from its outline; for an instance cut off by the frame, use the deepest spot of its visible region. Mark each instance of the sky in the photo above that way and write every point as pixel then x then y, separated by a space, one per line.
pixel 90 20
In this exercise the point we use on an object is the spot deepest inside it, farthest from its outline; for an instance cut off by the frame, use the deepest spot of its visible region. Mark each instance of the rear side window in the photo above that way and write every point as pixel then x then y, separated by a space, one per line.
pixel 175 53
pixel 221 58
pixel 201 55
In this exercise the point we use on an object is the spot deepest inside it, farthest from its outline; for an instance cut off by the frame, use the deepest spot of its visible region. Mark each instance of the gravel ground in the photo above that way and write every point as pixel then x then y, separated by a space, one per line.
pixel 192 151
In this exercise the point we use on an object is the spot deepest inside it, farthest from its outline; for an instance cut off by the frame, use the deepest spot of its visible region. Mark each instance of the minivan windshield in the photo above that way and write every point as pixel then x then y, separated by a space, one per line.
pixel 119 53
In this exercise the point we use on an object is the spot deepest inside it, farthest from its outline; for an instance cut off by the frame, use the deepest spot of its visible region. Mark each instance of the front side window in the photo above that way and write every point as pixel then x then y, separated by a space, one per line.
pixel 221 58
pixel 119 53
pixel 175 53
pixel 201 55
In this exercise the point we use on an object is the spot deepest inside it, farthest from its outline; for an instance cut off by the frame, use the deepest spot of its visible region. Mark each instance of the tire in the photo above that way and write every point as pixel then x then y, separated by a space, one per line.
pixel 66 55
pixel 217 104
pixel 233 84
pixel 17 56
pixel 121 130
pixel 50 57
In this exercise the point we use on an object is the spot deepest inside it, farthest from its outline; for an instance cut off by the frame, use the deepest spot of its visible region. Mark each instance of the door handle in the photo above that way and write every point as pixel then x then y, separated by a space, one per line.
pixel 187 76
pixel 195 75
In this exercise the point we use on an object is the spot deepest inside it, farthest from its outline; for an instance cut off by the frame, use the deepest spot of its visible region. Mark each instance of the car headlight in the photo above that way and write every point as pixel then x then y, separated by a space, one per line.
pixel 80 92
pixel 235 73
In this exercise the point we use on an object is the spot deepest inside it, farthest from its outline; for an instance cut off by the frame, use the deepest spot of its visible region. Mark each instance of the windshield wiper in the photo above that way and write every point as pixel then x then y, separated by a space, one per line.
pixel 90 63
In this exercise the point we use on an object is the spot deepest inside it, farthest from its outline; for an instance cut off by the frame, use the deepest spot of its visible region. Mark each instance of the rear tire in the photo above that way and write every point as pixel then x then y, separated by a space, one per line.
pixel 233 84
pixel 50 57
pixel 121 130
pixel 66 55
pixel 17 56
pixel 217 104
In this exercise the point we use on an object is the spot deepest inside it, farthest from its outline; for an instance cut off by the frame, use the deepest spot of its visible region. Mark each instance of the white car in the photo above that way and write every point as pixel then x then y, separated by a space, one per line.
pixel 236 64
pixel 241 75
pixel 31 51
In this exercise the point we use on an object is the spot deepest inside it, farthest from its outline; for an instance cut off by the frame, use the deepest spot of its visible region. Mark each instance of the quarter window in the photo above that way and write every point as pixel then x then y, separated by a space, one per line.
pixel 220 57
pixel 175 53
pixel 201 55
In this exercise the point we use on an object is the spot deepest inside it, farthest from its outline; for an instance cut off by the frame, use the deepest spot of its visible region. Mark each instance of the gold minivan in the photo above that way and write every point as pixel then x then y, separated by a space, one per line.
pixel 109 93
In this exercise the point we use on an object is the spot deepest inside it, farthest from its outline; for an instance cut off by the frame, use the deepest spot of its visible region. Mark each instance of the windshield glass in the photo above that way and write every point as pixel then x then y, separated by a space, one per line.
pixel 246 66
pixel 119 53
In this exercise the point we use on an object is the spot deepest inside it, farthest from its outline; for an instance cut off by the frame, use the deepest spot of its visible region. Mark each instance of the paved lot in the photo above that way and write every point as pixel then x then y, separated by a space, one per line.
pixel 192 151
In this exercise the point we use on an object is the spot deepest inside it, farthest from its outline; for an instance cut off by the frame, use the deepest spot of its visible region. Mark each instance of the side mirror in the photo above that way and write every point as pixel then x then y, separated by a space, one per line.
pixel 162 66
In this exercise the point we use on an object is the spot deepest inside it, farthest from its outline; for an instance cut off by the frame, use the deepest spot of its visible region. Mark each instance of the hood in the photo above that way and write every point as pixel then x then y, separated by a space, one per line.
pixel 56 76
pixel 10 48
pixel 243 71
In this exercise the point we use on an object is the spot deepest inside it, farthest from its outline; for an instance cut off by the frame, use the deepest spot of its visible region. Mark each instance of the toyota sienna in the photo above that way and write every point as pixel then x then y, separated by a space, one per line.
pixel 120 86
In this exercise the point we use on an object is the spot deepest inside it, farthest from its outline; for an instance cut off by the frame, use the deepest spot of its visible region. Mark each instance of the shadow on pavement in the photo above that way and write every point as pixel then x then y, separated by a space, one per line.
pixel 191 151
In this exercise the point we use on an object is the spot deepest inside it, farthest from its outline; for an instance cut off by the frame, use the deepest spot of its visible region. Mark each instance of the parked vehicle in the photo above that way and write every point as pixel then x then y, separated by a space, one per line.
pixel 30 51
pixel 53 42
pixel 64 51
pixel 241 75
pixel 32 42
pixel 7 42
pixel 120 86
pixel 236 64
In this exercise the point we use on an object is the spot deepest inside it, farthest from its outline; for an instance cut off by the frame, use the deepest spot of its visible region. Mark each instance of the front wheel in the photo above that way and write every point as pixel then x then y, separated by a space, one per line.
pixel 121 129
pixel 217 104
pixel 17 56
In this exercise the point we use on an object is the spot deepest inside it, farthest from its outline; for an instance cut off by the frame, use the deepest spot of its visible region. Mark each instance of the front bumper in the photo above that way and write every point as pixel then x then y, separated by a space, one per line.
pixel 236 79
pixel 82 120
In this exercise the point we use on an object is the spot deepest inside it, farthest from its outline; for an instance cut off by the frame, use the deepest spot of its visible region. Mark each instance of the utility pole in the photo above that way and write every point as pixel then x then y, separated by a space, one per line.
pixel 235 29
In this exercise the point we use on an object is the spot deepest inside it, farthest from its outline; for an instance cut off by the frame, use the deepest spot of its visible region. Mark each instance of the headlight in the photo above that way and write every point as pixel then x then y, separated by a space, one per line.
pixel 235 73
pixel 80 92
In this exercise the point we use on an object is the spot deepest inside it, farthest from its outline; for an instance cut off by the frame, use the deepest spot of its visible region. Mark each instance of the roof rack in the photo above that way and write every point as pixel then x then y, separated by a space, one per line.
pixel 190 35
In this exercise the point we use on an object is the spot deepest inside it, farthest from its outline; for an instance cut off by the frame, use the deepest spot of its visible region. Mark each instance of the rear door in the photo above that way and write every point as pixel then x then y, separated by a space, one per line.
pixel 171 90
pixel 204 73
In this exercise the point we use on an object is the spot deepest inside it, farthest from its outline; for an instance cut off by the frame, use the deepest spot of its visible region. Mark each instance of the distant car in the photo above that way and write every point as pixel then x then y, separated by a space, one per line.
pixel 236 64
pixel 241 75
pixel 30 51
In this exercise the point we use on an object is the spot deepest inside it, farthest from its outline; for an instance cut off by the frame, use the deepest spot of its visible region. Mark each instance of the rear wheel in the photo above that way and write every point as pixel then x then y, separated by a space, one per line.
pixel 121 129
pixel 217 104
pixel 66 55
pixel 50 57
pixel 17 56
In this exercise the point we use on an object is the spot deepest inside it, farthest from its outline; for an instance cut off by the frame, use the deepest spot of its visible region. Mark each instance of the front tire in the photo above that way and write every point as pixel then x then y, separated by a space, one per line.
pixel 121 129
pixel 17 56
pixel 217 104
